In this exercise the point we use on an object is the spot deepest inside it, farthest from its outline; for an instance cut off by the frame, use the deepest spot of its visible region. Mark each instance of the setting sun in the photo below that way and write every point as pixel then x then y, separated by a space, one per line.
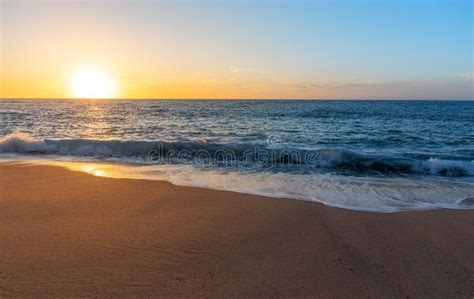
pixel 92 83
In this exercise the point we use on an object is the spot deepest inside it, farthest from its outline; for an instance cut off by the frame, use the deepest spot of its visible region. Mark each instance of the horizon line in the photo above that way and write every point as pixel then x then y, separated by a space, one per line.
pixel 236 99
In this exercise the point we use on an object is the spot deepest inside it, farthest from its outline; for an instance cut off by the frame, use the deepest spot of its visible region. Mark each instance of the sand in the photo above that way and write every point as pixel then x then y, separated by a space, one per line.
pixel 67 233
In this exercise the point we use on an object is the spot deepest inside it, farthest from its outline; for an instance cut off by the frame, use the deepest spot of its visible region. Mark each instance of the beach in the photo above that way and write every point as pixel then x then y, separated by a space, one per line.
pixel 67 233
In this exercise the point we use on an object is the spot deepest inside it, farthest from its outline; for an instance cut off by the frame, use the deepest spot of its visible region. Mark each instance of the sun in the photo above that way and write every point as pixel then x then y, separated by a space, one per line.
pixel 92 83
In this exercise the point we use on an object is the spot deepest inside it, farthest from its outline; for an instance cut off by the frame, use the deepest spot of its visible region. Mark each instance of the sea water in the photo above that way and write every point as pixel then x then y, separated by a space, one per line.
pixel 383 156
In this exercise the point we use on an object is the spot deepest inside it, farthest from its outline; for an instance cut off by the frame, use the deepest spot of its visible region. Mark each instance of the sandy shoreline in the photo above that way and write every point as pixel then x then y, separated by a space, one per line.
pixel 66 233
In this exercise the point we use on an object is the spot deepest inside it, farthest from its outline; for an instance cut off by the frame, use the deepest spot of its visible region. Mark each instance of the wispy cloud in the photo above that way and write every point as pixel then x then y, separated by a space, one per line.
pixel 237 70
pixel 334 84
pixel 466 76
pixel 377 89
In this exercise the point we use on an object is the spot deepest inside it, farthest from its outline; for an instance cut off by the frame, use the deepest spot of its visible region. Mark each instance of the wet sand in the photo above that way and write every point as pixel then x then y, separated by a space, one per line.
pixel 67 233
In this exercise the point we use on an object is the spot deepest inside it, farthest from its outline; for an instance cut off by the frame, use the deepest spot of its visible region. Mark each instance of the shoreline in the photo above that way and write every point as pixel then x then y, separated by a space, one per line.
pixel 344 192
pixel 69 233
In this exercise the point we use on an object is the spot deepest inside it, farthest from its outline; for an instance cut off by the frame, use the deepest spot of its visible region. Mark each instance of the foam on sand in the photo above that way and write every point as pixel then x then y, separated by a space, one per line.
pixel 376 194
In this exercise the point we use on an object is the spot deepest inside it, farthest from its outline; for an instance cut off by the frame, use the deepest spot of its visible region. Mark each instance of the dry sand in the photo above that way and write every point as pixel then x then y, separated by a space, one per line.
pixel 66 233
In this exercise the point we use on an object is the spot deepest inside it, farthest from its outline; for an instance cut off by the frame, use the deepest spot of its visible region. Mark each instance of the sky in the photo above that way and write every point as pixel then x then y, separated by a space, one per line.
pixel 359 49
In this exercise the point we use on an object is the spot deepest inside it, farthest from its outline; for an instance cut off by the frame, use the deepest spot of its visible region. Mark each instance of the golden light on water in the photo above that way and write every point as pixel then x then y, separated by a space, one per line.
pixel 92 83
pixel 94 170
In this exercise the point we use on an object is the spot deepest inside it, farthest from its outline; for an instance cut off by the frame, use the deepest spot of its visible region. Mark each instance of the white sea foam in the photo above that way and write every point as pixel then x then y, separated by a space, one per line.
pixel 357 193
pixel 447 167
pixel 417 184
pixel 376 194
pixel 22 143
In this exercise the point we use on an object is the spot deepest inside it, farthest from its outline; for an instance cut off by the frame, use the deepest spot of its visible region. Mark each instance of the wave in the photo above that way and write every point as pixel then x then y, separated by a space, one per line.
pixel 235 155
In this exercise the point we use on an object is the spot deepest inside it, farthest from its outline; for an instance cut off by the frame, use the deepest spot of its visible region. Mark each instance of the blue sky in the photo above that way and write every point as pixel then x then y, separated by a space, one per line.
pixel 296 49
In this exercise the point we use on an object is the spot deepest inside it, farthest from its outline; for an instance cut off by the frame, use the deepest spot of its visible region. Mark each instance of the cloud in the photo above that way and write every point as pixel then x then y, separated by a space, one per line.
pixel 375 89
pixel 237 70
pixel 334 84
pixel 466 76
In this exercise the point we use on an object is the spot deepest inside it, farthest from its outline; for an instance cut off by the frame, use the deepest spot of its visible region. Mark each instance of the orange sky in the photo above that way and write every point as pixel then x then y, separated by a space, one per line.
pixel 306 50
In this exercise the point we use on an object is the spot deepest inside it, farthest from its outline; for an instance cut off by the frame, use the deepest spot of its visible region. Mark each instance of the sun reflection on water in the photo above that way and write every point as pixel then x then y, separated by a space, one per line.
pixel 96 169
pixel 91 169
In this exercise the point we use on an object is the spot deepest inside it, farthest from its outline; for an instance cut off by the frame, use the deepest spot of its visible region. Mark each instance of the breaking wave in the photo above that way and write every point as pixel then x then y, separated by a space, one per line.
pixel 236 154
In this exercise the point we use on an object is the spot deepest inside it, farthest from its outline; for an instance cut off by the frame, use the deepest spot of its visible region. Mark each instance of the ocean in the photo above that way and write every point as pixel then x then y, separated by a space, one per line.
pixel 381 156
